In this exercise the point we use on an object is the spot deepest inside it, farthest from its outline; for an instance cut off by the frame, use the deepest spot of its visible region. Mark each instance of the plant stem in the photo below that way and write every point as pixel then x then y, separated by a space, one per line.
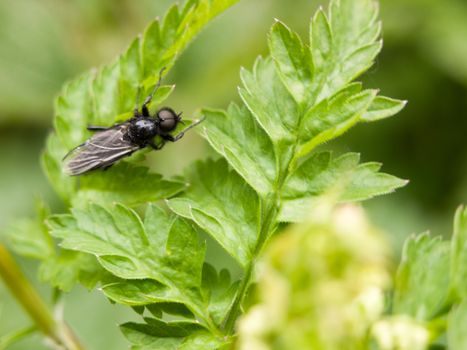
pixel 270 206
pixel 26 295
pixel 269 209
pixel 229 322
pixel 9 339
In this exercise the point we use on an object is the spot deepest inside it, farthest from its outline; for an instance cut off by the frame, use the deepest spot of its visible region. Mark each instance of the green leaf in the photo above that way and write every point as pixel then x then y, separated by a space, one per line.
pixel 173 309
pixel 218 293
pixel 237 136
pixel 459 254
pixel 30 237
pixel 320 46
pixel 321 174
pixel 159 334
pixel 269 101
pixel 343 46
pixel 60 268
pixel 102 97
pixel 457 323
pixel 162 248
pixel 219 290
pixel 333 117
pixel 73 110
pixel 293 61
pixel 382 107
pixel 422 284
pixel 163 43
pixel 67 268
pixel 138 292
pixel 218 200
pixel 125 183
pixel 203 340
pixel 304 96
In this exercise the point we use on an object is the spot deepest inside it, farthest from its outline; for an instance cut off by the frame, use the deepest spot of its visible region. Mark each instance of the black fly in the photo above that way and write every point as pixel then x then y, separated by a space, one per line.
pixel 110 144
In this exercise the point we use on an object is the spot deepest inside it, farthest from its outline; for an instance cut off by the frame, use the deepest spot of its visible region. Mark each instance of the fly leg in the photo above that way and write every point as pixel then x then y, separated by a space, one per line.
pixel 156 146
pixel 97 128
pixel 182 133
pixel 136 111
pixel 144 108
pixel 101 128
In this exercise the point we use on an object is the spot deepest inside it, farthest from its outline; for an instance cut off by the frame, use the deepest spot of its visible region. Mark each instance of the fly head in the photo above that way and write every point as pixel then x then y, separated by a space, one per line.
pixel 167 120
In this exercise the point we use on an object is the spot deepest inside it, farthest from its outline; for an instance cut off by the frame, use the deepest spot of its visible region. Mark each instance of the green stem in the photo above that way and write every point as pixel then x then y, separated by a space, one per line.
pixel 10 339
pixel 269 207
pixel 32 303
pixel 229 323
pixel 269 214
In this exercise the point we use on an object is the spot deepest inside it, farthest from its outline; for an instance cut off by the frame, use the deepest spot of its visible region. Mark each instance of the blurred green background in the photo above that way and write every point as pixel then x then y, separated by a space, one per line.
pixel 424 60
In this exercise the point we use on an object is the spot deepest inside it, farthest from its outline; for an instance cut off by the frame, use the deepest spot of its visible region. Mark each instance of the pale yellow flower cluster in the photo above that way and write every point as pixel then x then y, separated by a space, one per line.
pixel 321 286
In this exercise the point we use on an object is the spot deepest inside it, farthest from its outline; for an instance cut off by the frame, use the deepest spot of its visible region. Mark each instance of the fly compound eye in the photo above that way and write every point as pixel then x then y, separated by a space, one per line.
pixel 168 119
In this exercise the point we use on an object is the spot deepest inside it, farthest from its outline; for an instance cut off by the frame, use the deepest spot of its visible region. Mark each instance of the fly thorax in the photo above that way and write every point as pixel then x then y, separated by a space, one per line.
pixel 142 130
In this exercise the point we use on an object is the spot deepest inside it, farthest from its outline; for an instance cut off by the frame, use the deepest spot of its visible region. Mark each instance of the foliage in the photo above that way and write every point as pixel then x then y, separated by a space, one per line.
pixel 270 173
pixel 429 285
pixel 294 100
pixel 59 267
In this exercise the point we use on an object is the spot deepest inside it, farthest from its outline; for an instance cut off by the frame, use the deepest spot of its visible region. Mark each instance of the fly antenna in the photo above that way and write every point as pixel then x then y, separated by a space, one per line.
pixel 179 116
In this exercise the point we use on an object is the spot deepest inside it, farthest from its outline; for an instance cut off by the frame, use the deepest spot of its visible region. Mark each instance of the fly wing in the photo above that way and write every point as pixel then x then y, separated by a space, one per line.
pixel 100 151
